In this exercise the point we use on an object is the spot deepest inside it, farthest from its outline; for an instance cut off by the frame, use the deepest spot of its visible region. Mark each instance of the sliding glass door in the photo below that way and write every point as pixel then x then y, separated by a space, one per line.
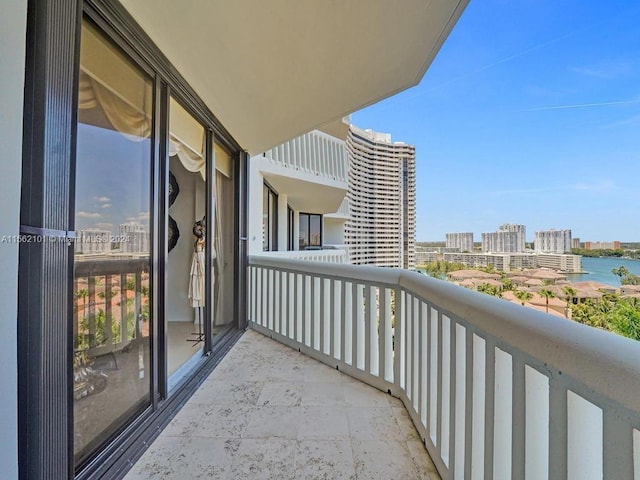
pixel 112 261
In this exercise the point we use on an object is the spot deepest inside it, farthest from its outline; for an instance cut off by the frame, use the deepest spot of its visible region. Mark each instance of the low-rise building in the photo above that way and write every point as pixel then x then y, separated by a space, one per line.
pixel 562 262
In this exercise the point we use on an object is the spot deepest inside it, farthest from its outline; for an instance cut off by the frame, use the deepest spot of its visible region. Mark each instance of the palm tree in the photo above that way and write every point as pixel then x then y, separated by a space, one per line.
pixel 83 293
pixel 523 296
pixel 547 294
pixel 569 293
pixel 621 272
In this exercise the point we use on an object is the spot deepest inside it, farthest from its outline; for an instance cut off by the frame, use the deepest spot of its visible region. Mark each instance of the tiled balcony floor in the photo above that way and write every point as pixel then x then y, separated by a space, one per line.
pixel 269 412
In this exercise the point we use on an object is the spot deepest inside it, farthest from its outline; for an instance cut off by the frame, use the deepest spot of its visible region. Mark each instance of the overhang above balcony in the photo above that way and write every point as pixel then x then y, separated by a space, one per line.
pixel 272 70
pixel 307 192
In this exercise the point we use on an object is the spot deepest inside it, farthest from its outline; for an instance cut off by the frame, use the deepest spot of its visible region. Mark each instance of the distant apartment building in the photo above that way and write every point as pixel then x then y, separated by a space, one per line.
pixel 615 245
pixel 460 242
pixel 92 241
pixel 499 242
pixel 521 234
pixel 552 241
pixel 562 262
pixel 575 242
pixel 426 255
pixel 510 238
pixel 382 200
pixel 499 261
pixel 134 238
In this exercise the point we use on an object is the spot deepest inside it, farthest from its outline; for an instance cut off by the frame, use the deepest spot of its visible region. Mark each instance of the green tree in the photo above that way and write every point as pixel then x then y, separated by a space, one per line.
pixel 547 294
pixel 569 293
pixel 490 290
pixel 621 273
pixel 523 296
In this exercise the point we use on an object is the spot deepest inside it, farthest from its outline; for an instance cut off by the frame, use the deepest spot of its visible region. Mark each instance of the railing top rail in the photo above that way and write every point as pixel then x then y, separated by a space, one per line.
pixel 603 362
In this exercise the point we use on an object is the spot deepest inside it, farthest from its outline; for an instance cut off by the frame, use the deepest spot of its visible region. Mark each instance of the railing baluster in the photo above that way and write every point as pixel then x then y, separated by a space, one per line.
pixel 424 364
pixel 322 313
pixel 445 388
pixel 618 446
pixel 489 384
pixel 397 335
pixel 383 328
pixel 519 401
pixel 460 396
pixel 354 324
pixel 433 375
pixel 368 323
pixel 415 353
pixel 331 315
pixel 408 343
pixel 360 327
pixel 557 429
pixel 307 311
pixel 346 308
pixel 478 419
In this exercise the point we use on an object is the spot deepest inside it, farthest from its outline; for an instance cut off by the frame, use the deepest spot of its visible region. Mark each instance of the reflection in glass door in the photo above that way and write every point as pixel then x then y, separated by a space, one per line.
pixel 224 247
pixel 111 315
pixel 186 267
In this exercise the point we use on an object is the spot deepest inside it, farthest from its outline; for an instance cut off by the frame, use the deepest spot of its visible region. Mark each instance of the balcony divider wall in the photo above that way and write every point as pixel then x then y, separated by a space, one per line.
pixel 46 272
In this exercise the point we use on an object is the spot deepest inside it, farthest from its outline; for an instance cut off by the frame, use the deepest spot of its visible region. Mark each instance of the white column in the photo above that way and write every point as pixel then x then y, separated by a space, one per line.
pixel 283 222
pixel 296 230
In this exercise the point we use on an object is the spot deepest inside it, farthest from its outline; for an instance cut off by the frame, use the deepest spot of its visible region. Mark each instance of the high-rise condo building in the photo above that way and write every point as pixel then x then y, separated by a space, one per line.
pixel 519 230
pixel 462 242
pixel 510 238
pixel 553 241
pixel 382 199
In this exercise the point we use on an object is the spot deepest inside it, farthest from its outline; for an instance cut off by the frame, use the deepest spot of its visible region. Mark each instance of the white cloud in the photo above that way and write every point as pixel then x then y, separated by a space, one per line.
pixel 602 187
pixel 103 199
pixel 106 205
pixel 88 215
pixel 104 226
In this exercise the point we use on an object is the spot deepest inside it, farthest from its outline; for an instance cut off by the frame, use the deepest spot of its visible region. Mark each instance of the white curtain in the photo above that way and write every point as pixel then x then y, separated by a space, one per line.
pixel 123 117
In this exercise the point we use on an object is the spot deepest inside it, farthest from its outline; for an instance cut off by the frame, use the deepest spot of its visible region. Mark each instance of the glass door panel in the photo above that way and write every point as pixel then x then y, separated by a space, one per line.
pixel 111 324
pixel 186 279
pixel 224 247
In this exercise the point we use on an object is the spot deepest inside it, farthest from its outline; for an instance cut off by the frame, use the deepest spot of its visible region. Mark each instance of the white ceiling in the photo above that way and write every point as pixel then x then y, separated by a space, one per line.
pixel 271 70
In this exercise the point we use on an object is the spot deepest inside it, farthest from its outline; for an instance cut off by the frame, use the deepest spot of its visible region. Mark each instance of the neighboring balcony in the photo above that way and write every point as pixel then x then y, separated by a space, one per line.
pixel 311 170
pixel 326 253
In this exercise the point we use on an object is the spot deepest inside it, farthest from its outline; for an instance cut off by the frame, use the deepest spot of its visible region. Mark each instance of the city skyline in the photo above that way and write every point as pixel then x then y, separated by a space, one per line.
pixel 529 114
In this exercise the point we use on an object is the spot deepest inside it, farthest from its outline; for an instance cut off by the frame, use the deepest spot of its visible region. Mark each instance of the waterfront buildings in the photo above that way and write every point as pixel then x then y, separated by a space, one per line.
pixel 560 261
pixel 499 261
pixel 552 241
pixel 461 242
pixel 615 245
pixel 382 200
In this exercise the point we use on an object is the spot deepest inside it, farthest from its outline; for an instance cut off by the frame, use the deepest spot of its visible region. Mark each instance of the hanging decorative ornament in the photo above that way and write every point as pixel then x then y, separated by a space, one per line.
pixel 174 188
pixel 173 234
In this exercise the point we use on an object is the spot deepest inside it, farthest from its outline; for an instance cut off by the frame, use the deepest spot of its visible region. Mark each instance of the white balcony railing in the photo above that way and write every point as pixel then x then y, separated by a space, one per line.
pixel 329 255
pixel 494 389
pixel 314 152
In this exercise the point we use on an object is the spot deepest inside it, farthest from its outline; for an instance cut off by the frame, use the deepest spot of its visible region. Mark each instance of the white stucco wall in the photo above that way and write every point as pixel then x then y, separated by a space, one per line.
pixel 12 56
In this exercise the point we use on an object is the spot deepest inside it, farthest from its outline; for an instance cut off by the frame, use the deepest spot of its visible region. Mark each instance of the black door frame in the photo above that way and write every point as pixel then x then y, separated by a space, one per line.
pixel 45 336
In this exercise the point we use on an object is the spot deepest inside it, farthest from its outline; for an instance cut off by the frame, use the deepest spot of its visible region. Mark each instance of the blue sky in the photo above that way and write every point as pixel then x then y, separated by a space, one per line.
pixel 529 114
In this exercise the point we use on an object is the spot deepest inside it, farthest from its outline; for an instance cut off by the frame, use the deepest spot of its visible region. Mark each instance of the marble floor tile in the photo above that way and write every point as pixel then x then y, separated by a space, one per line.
pixel 324 460
pixel 366 423
pixel 323 395
pixel 323 423
pixel 383 459
pixel 285 394
pixel 264 460
pixel 273 422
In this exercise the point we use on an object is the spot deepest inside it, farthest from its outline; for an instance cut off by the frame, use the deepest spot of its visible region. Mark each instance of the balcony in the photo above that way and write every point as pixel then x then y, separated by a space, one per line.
pixel 493 390
pixel 311 170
